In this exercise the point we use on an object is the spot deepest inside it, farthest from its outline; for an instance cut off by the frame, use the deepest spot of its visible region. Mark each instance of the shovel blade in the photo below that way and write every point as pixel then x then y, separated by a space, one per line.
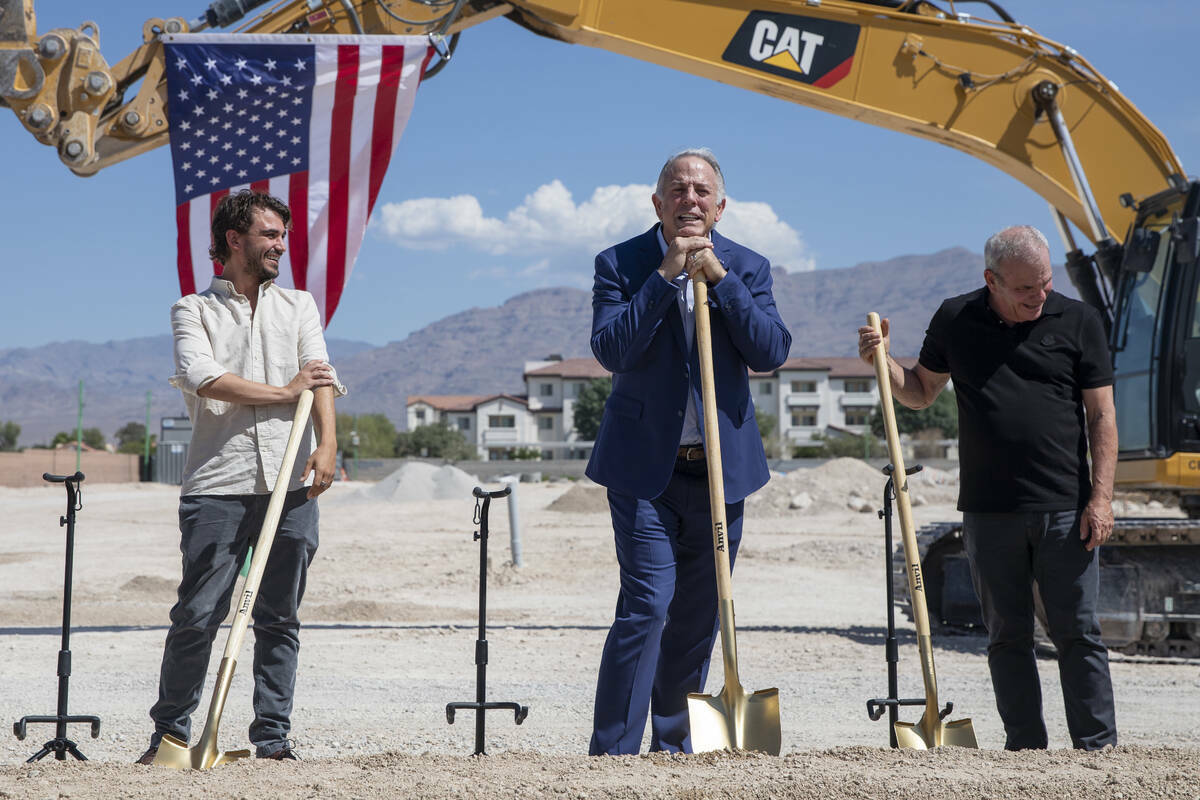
pixel 735 720
pixel 926 735
pixel 205 755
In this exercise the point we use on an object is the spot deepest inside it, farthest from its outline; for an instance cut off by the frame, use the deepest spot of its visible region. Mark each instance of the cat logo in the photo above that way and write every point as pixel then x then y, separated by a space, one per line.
pixel 785 50
pixel 813 51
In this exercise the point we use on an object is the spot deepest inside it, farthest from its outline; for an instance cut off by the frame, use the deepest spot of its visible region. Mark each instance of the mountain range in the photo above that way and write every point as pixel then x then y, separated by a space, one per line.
pixel 476 351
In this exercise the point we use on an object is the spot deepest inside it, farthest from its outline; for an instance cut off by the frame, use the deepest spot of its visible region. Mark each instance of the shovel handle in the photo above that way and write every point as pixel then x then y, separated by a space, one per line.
pixel 716 481
pixel 266 536
pixel 912 554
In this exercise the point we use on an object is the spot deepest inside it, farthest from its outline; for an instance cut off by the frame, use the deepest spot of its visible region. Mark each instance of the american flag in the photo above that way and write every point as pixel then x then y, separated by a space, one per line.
pixel 312 120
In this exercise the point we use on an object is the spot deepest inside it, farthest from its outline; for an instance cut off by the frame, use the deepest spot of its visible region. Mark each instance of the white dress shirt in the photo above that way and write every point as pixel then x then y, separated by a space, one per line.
pixel 238 449
pixel 686 300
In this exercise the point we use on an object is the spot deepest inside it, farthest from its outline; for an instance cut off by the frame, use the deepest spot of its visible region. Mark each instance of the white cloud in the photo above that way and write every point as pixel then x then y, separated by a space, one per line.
pixel 549 223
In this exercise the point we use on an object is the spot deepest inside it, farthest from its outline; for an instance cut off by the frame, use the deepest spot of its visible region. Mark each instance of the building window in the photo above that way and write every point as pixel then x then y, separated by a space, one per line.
pixel 502 421
pixel 858 415
pixel 804 387
pixel 420 415
pixel 547 389
pixel 576 388
pixel 464 423
pixel 546 423
pixel 765 388
pixel 804 418
pixel 857 387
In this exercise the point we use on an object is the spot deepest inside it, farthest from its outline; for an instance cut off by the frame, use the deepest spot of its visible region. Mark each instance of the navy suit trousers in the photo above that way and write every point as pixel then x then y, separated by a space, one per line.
pixel 661 640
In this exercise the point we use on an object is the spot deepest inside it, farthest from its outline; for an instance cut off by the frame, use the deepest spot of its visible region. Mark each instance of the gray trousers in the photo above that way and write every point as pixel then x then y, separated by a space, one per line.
pixel 217 531
pixel 1007 553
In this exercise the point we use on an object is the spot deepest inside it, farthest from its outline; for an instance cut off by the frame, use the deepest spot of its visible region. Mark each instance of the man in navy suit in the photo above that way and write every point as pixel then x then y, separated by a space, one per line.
pixel 649 450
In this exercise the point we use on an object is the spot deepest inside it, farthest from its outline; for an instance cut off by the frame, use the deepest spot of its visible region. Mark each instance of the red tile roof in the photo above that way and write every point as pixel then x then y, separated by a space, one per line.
pixel 572 368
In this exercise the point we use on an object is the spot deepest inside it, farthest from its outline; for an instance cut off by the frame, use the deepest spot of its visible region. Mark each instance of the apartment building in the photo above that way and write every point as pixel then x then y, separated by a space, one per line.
pixel 822 396
pixel 809 396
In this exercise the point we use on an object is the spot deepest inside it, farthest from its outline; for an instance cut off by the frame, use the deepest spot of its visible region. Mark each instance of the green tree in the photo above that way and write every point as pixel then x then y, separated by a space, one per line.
pixel 9 433
pixel 376 435
pixel 768 427
pixel 92 437
pixel 589 407
pixel 941 415
pixel 435 441
pixel 131 438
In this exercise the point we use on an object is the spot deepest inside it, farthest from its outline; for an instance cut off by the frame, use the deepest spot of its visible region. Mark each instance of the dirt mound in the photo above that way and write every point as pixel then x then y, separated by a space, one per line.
pixel 417 481
pixel 582 498
pixel 845 483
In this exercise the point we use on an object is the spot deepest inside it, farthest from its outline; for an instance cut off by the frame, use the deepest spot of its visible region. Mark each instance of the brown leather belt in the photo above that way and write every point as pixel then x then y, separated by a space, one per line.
pixel 691 452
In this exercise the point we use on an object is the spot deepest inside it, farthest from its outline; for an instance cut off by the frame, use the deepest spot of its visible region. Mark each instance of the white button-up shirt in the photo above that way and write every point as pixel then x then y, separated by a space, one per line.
pixel 235 448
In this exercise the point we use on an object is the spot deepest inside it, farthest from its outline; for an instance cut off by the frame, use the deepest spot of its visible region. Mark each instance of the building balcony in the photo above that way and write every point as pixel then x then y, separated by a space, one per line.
pixel 804 399
pixel 497 436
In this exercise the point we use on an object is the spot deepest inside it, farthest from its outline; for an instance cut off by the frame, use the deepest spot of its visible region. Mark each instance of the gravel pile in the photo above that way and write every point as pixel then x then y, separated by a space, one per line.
pixel 417 481
pixel 845 483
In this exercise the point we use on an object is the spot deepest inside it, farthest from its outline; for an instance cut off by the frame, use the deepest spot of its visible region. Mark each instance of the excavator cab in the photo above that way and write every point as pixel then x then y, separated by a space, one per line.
pixel 1155 340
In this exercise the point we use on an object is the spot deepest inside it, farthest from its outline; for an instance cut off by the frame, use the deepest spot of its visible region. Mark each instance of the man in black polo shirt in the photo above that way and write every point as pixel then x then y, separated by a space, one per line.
pixel 1033 379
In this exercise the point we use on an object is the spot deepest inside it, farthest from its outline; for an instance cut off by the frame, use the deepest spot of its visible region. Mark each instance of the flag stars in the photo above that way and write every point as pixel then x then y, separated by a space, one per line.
pixel 287 80
pixel 187 165
pixel 228 108
pixel 255 159
pixel 271 64
pixel 185 125
pixel 254 139
pixel 297 100
pixel 241 152
pixel 254 117
pixel 198 110
pixel 213 139
pixel 240 63
pixel 270 90
pixel 212 94
pixel 200 173
pixel 227 166
pixel 300 65
pixel 241 173
pixel 181 63
pixel 226 126
pixel 295 140
pixel 269 167
pixel 295 161
pixel 183 95
pixel 268 125
pixel 215 179
pixel 188 189
pixel 227 146
pixel 267 145
pixel 241 112
pixel 214 159
pixel 226 80
pixel 185 146
pixel 256 79
pixel 200 153
pixel 197 80
pixel 211 63
pixel 242 94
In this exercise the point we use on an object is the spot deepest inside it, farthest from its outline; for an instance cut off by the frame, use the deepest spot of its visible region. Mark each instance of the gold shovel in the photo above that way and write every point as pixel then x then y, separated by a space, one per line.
pixel 930 731
pixel 172 752
pixel 733 719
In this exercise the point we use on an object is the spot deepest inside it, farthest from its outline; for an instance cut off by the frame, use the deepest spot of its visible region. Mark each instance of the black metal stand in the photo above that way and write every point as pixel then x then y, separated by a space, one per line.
pixel 60 745
pixel 892 703
pixel 480 706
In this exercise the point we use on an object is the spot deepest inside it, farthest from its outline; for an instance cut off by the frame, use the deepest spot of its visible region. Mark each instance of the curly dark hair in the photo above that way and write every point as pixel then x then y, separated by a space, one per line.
pixel 235 212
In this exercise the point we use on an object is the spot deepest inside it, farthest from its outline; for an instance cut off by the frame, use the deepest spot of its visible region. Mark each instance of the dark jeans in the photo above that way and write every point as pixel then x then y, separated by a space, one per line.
pixel 661 639
pixel 1007 553
pixel 217 531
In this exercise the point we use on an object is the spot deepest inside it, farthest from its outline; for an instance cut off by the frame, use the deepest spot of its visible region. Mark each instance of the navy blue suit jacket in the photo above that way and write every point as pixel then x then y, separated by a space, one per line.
pixel 638 335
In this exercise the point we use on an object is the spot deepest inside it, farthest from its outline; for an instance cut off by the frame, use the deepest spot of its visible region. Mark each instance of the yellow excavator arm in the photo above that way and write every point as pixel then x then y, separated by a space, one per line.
pixel 995 89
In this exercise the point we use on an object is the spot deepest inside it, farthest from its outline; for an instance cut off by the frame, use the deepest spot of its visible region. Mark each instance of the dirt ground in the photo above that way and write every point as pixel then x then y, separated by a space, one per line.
pixel 389 639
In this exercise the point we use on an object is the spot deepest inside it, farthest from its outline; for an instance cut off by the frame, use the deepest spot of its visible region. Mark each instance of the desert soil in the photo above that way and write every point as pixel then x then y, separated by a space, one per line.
pixel 389 639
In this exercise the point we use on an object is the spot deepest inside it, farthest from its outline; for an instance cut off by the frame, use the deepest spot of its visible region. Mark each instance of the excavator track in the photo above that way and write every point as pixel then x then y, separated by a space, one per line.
pixel 1149 586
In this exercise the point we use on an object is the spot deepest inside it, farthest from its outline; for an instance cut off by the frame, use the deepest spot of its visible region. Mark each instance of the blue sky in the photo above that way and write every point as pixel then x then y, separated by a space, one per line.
pixel 525 156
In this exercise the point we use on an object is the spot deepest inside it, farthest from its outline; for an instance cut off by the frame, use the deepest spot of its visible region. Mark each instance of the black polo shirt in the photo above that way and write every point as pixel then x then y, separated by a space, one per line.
pixel 1021 428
